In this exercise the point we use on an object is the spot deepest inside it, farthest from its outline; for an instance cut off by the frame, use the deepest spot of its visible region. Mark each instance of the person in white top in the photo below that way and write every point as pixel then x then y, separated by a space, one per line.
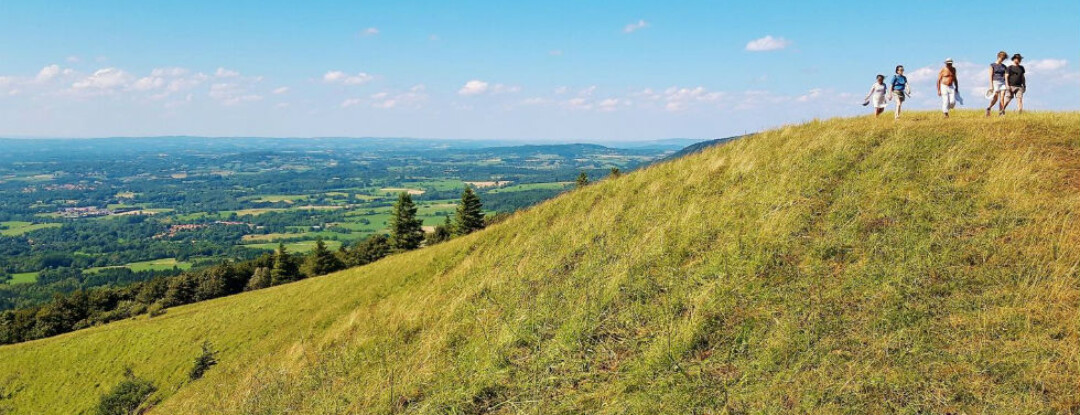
pixel 877 95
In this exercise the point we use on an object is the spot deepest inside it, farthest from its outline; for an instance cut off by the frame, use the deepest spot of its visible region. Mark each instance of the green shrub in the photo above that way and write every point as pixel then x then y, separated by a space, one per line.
pixel 207 358
pixel 127 396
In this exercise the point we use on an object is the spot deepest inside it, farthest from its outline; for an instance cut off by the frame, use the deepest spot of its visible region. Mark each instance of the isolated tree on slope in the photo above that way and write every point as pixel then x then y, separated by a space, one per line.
pixel 582 180
pixel 321 261
pixel 406 231
pixel 615 172
pixel 470 213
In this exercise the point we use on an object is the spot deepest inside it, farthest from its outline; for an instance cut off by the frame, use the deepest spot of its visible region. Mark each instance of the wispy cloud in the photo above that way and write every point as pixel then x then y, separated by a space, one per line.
pixel 371 31
pixel 633 27
pixel 226 73
pixel 347 79
pixel 767 43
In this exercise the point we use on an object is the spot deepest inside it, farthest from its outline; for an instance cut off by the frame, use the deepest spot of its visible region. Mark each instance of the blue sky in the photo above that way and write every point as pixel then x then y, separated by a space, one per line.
pixel 554 70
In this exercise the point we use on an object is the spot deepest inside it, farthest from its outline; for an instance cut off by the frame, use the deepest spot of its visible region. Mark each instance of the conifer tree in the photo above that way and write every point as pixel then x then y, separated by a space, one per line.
pixel 582 180
pixel 470 213
pixel 406 231
pixel 615 172
pixel 284 269
pixel 321 261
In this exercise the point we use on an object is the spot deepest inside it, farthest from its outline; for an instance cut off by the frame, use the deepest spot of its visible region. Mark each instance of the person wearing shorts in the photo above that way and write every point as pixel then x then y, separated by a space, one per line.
pixel 898 88
pixel 1016 83
pixel 947 87
pixel 997 83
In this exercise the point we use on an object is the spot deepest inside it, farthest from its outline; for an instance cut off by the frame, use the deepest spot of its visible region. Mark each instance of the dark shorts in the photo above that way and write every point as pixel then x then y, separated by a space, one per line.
pixel 900 95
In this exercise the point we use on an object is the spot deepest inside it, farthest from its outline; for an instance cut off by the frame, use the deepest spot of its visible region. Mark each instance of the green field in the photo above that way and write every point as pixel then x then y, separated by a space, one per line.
pixel 23 278
pixel 152 265
pixel 16 228
pixel 855 266
pixel 532 186
pixel 294 247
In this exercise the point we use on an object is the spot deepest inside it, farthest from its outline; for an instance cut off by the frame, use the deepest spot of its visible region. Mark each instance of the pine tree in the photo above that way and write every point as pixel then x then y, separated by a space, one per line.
pixel 321 261
pixel 470 213
pixel 284 269
pixel 582 180
pixel 406 231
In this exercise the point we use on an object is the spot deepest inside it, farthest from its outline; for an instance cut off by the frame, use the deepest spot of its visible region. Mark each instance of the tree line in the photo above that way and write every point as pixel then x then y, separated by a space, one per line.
pixel 90 307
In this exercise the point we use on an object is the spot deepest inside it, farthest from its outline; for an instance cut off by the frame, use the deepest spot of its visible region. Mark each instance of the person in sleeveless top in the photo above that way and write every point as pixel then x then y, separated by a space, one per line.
pixel 1016 83
pixel 998 71
pixel 876 96
pixel 898 88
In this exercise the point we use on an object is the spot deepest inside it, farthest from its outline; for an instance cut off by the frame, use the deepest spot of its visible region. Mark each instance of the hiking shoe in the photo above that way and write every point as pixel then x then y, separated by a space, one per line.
pixel 988 112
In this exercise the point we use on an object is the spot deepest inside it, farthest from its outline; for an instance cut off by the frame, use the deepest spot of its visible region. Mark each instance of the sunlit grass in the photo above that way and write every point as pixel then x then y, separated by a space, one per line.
pixel 844 266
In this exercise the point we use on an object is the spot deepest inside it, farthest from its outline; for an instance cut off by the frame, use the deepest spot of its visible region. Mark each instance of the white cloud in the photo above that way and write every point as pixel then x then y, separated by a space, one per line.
pixel 478 87
pixel 346 79
pixel 148 83
pixel 226 73
pixel 1046 65
pixel 351 102
pixel 561 90
pixel 587 91
pixel 73 59
pixel 473 87
pixel 610 104
pixel 232 93
pixel 767 43
pixel 106 79
pixel 281 90
pixel 578 104
pixel 633 27
pixel 810 95
pixel 371 31
pixel 48 72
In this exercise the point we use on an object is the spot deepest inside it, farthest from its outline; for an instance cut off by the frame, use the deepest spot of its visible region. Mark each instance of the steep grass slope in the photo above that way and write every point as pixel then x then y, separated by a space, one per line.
pixel 845 266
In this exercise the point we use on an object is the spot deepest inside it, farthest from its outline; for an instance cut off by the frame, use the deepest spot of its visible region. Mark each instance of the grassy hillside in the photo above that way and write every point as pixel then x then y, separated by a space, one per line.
pixel 846 266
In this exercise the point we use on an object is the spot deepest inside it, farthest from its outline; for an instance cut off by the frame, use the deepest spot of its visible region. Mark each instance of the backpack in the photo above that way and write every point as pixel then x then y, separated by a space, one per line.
pixel 899 82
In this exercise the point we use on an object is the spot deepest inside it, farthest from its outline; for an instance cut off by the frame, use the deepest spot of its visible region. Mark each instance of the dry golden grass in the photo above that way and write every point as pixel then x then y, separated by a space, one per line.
pixel 844 266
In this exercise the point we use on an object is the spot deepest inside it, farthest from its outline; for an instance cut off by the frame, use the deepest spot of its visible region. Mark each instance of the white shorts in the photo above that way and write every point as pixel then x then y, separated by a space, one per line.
pixel 999 86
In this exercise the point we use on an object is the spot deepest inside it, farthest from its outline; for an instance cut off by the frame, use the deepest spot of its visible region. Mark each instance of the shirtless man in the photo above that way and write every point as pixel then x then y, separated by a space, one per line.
pixel 947 87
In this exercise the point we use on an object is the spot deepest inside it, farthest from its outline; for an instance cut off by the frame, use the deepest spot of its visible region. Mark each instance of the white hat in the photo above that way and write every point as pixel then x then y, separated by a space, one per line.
pixel 948 60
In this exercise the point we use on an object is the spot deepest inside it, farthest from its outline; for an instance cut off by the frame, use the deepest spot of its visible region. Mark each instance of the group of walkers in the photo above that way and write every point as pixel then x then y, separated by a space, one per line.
pixel 1007 82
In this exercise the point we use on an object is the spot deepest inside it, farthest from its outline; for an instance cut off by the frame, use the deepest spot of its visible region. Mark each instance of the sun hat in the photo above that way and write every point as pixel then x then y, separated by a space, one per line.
pixel 948 60
pixel 989 94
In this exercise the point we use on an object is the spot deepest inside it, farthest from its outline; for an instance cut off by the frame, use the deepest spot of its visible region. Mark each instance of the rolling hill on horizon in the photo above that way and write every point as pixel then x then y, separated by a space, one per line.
pixel 840 266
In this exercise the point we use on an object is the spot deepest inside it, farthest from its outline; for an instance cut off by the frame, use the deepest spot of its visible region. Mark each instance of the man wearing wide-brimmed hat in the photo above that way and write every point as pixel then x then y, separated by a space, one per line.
pixel 948 87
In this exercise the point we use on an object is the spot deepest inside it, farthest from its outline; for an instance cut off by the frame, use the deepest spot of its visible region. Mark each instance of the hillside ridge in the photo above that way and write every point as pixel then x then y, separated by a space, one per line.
pixel 847 265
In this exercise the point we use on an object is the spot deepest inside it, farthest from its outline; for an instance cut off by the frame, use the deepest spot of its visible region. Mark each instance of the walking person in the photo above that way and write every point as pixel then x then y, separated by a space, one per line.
pixel 876 96
pixel 898 88
pixel 997 83
pixel 948 87
pixel 1016 83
